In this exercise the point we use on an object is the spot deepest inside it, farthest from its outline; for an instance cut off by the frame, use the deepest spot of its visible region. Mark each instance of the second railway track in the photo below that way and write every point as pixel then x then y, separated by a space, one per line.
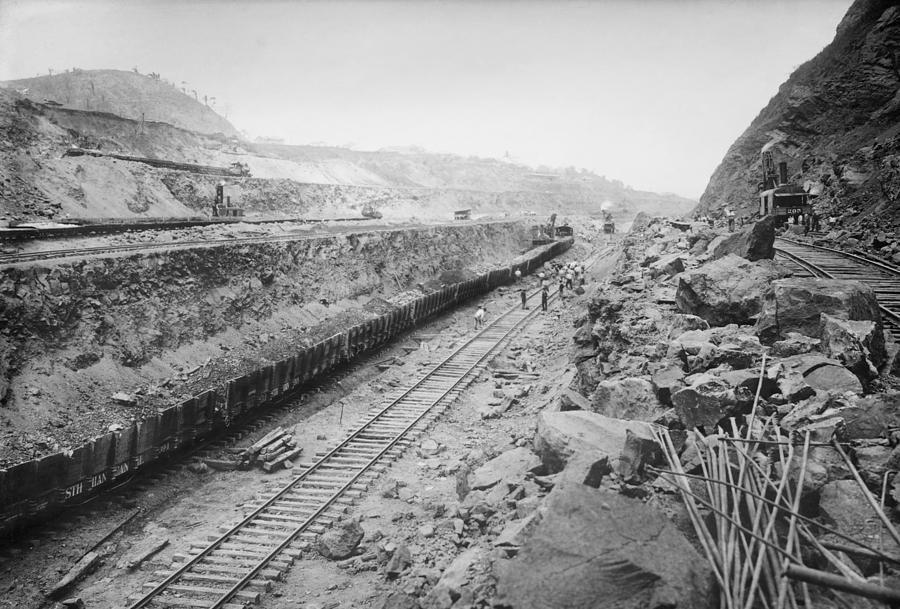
pixel 820 261
pixel 244 561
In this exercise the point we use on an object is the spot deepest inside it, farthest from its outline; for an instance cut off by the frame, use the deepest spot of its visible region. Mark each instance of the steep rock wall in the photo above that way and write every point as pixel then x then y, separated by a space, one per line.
pixel 835 122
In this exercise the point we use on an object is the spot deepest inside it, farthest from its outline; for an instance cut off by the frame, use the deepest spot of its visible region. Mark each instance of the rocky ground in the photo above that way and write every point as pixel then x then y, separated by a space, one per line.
pixel 539 487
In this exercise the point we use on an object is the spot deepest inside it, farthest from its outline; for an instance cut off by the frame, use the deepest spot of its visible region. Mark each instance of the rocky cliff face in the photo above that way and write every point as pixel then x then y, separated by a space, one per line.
pixel 835 122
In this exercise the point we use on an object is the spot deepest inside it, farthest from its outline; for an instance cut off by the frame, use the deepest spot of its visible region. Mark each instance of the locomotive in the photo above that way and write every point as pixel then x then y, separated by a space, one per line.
pixel 777 196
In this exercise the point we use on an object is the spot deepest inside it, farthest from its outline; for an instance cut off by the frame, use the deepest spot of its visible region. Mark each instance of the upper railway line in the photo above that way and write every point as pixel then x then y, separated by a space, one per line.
pixel 820 261
pixel 323 228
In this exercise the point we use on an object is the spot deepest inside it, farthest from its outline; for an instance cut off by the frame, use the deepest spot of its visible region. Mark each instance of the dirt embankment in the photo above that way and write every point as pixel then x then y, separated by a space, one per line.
pixel 159 325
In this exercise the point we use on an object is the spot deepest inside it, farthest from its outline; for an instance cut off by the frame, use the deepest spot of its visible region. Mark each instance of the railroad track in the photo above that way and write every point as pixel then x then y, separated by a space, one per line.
pixel 20 257
pixel 821 261
pixel 245 561
pixel 6 259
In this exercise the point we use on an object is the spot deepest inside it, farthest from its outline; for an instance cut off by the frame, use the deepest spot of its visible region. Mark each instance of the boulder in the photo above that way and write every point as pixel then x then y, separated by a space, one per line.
pixel 667 266
pixel 569 399
pixel 588 467
pixel 850 342
pixel 843 505
pixel 511 465
pixel 638 452
pixel 796 305
pixel 399 561
pixel 628 398
pixel 794 344
pixel 686 323
pixel 874 416
pixel 750 380
pixel 818 373
pixel 399 600
pixel 599 549
pixel 754 242
pixel 708 401
pixel 698 351
pixel 453 580
pixel 341 541
pixel 727 290
pixel 560 435
pixel 666 380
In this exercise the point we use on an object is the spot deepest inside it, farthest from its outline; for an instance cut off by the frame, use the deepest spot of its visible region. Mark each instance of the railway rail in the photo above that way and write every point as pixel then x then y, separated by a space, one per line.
pixel 244 561
pixel 21 257
pixel 74 228
pixel 820 261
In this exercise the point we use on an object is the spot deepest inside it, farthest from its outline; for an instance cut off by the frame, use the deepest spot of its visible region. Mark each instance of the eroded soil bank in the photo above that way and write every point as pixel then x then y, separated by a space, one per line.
pixel 160 327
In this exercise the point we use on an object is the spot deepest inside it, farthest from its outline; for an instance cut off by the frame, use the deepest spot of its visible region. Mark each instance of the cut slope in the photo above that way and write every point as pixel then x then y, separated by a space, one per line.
pixel 127 94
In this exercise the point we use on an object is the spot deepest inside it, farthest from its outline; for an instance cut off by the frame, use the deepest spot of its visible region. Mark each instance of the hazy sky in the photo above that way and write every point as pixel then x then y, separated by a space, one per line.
pixel 648 92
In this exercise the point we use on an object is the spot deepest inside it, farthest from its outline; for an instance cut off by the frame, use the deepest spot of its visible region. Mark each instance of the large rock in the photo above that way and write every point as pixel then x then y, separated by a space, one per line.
pixel 795 344
pixel 710 400
pixel 843 505
pixel 818 373
pixel 628 398
pixel 727 290
pixel 341 541
pixel 511 465
pixel 698 350
pixel 560 435
pixel 666 380
pixel 755 242
pixel 453 580
pixel 851 343
pixel 874 416
pixel 600 550
pixel 796 305
pixel 668 265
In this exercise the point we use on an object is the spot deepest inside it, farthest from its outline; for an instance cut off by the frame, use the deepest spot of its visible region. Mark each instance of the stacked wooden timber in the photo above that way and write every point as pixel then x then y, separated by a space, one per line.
pixel 273 451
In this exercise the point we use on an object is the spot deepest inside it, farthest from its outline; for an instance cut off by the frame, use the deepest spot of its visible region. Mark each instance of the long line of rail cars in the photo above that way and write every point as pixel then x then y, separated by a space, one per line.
pixel 35 488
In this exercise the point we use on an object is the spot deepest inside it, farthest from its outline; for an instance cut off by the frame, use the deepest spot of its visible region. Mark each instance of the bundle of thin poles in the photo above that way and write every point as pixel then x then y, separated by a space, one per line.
pixel 744 505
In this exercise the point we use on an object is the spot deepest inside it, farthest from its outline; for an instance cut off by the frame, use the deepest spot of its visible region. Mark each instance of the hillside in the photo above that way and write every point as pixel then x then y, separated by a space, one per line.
pixel 37 180
pixel 835 122
pixel 126 94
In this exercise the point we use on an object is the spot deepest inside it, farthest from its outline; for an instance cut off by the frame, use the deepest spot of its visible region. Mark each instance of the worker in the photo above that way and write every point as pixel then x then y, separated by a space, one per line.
pixel 729 215
pixel 524 298
pixel 479 316
pixel 569 278
pixel 545 294
pixel 562 284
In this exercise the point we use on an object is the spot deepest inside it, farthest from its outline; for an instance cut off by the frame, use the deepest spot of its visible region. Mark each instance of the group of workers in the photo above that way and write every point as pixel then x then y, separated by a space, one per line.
pixel 568 276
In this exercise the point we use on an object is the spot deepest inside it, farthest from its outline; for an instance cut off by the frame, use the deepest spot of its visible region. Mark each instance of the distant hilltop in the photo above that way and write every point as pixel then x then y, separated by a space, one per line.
pixel 127 94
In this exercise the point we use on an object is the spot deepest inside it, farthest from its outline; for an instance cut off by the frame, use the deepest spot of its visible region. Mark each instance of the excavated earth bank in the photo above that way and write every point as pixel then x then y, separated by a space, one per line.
pixel 160 327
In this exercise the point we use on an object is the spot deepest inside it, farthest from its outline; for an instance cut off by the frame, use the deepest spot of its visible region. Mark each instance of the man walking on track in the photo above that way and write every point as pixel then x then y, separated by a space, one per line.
pixel 479 316
pixel 545 293
pixel 524 297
